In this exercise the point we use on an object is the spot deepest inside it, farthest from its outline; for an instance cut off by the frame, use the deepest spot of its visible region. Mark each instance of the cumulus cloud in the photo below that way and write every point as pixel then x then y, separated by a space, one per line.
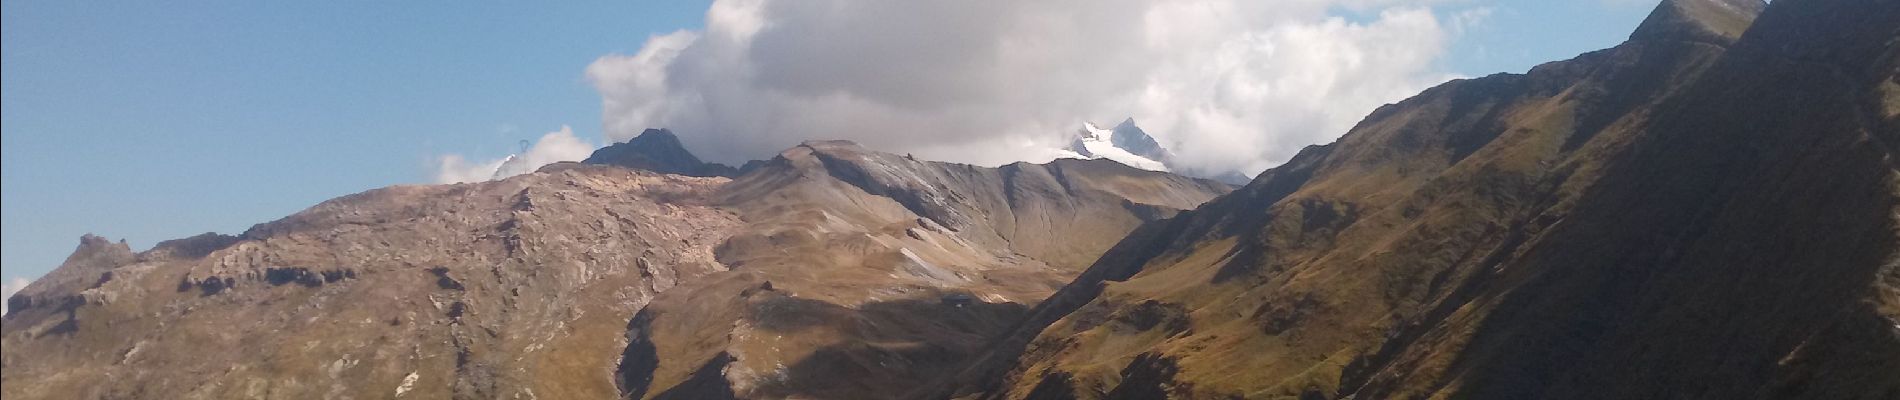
pixel 553 147
pixel 1229 85
pixel 7 290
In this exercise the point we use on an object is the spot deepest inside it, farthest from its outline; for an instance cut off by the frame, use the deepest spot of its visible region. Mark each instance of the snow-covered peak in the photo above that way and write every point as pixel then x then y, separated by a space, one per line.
pixel 1095 142
pixel 1092 132
pixel 1128 144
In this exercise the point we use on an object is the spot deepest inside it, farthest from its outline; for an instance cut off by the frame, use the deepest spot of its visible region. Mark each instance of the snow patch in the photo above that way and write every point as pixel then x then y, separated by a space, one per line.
pixel 1096 142
pixel 408 383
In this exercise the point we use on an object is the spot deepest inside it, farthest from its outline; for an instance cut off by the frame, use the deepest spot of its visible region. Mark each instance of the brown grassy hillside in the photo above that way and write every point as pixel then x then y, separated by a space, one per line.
pixel 1675 217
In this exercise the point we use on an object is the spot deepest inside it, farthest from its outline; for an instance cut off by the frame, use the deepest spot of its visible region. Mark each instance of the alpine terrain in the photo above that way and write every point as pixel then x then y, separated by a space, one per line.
pixel 1704 211
pixel 829 260
pixel 1709 210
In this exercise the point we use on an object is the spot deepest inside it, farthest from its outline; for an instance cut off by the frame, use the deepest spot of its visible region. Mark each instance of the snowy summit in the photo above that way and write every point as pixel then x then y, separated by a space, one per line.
pixel 1125 143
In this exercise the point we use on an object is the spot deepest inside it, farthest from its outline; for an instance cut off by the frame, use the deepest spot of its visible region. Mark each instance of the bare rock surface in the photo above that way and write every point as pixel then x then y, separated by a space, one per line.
pixel 513 288
pixel 829 261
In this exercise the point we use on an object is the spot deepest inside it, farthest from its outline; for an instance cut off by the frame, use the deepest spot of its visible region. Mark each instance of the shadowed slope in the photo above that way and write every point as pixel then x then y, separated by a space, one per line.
pixel 1668 218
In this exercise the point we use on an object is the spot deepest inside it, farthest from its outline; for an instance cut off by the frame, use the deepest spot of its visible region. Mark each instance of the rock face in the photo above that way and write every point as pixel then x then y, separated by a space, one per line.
pixel 526 287
pixel 488 290
pixel 90 266
pixel 658 150
pixel 1675 217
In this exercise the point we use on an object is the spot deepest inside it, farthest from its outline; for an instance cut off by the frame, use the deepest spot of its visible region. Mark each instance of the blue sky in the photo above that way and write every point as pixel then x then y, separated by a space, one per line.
pixel 156 120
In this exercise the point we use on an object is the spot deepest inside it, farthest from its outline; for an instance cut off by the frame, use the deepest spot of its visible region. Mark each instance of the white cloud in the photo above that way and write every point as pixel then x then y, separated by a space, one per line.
pixel 454 168
pixel 7 290
pixel 1226 84
pixel 553 147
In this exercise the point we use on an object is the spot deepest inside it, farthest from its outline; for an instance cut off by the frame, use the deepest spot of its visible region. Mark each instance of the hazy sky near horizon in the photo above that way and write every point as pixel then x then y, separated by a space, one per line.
pixel 150 121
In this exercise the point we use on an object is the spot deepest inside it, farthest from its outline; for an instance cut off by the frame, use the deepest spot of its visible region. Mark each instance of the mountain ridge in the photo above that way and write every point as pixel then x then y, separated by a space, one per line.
pixel 526 286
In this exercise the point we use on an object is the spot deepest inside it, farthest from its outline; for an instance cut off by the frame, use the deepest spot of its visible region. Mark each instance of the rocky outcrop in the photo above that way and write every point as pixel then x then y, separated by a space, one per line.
pixel 90 266
pixel 189 248
pixel 1675 217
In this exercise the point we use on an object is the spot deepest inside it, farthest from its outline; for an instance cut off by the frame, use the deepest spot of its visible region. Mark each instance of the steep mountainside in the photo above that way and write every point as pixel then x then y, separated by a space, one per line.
pixel 525 287
pixel 1696 213
pixel 862 274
